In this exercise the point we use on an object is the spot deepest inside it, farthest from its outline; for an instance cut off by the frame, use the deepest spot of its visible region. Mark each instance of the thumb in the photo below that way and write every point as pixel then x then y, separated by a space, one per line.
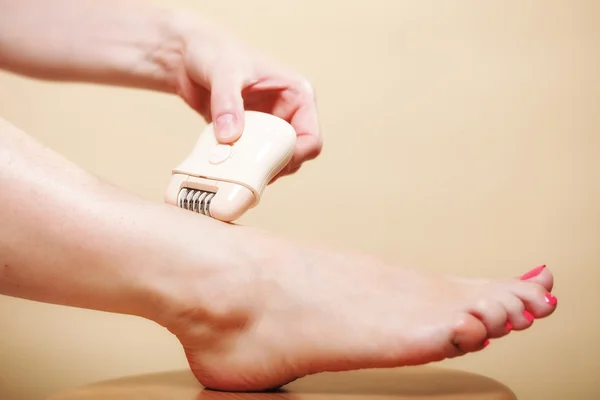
pixel 227 107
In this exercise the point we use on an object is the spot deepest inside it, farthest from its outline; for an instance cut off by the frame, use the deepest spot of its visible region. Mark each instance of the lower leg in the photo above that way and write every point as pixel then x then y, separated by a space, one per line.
pixel 253 311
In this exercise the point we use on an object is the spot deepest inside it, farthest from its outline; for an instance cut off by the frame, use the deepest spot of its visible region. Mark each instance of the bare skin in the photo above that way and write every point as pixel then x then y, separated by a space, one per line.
pixel 316 310
pixel 252 311
pixel 136 43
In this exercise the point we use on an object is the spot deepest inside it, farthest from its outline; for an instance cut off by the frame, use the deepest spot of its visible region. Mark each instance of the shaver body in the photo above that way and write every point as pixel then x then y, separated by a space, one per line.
pixel 223 181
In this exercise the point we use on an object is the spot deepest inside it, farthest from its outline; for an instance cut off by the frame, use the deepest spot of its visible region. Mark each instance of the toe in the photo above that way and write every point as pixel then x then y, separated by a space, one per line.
pixel 518 317
pixel 540 275
pixel 536 298
pixel 492 314
pixel 469 334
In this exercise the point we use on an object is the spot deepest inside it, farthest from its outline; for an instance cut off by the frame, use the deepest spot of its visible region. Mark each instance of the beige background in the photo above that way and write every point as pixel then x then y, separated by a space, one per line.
pixel 475 124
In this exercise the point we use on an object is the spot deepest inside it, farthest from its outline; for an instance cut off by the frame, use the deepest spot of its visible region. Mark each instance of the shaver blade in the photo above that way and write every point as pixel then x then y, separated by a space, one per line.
pixel 195 200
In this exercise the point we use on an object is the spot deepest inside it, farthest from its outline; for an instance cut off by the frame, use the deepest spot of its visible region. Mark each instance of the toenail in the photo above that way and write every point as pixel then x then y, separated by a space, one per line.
pixel 551 299
pixel 528 316
pixel 487 341
pixel 509 326
pixel 534 272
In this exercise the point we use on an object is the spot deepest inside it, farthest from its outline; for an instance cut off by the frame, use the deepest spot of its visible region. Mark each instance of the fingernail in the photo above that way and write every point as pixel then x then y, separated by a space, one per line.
pixel 486 343
pixel 528 316
pixel 225 126
pixel 550 299
pixel 509 326
pixel 534 272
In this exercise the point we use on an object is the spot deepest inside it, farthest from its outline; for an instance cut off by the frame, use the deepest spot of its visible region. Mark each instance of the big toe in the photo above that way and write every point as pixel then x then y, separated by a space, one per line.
pixel 540 275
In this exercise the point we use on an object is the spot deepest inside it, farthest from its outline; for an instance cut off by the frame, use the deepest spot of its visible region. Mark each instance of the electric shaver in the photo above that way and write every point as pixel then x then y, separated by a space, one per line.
pixel 224 181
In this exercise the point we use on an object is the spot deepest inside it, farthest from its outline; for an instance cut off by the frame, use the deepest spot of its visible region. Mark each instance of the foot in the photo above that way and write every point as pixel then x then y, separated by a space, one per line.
pixel 308 310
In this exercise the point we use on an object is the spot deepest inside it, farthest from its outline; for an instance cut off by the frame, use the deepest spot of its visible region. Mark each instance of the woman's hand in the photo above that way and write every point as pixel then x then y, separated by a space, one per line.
pixel 138 44
pixel 220 78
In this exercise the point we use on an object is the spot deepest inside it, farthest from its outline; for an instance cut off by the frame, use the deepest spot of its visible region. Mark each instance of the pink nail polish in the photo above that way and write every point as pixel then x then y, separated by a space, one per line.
pixel 509 326
pixel 487 341
pixel 550 299
pixel 534 272
pixel 528 316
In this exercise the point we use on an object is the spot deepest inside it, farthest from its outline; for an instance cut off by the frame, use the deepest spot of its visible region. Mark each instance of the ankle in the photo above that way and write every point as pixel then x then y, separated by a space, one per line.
pixel 214 287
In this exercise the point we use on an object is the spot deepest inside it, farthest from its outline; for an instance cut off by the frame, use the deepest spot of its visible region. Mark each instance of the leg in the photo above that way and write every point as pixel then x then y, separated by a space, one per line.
pixel 253 311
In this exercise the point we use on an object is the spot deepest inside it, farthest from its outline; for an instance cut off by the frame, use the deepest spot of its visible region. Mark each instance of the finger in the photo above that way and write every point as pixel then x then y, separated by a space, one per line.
pixel 296 103
pixel 289 169
pixel 227 107
pixel 308 147
pixel 305 121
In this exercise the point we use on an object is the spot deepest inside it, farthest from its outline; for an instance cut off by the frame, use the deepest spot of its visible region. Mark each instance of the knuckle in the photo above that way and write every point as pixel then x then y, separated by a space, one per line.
pixel 294 169
pixel 482 304
pixel 305 87
pixel 317 148
pixel 313 151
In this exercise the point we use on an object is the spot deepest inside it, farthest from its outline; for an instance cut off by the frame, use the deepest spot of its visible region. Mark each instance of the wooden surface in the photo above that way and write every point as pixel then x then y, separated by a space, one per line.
pixel 422 383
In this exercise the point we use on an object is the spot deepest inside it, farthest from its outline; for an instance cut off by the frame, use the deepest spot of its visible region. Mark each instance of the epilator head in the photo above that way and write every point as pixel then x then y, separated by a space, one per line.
pixel 223 181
